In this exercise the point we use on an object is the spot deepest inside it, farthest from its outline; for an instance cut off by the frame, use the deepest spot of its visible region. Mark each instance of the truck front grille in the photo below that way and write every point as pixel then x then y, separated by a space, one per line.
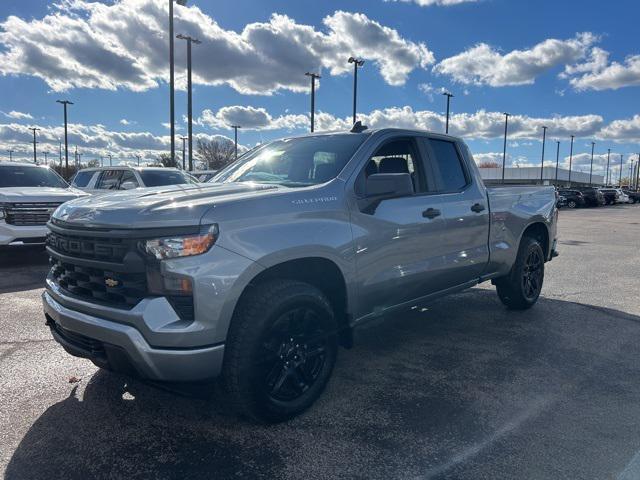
pixel 91 248
pixel 30 214
pixel 115 289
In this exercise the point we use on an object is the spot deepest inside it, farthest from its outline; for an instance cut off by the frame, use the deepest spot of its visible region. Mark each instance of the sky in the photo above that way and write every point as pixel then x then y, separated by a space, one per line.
pixel 571 66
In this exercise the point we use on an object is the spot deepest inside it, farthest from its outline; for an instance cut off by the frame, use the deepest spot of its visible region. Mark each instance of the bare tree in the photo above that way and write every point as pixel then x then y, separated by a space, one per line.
pixel 164 159
pixel 93 163
pixel 216 153
pixel 488 164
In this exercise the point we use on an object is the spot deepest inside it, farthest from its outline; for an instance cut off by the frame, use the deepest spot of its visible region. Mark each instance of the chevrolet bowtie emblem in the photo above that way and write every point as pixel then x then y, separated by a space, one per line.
pixel 110 282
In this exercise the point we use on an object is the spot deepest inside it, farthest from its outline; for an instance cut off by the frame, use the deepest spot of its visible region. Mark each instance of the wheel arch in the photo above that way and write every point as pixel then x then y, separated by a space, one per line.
pixel 321 272
pixel 540 232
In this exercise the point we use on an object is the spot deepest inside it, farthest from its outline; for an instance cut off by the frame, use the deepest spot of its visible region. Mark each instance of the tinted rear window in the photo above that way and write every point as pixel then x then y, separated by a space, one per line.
pixel 452 175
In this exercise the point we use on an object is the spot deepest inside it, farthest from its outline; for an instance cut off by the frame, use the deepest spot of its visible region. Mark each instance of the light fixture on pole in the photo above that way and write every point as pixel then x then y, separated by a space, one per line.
pixel 357 63
pixel 606 178
pixel 504 148
pixel 34 130
pixel 10 155
pixel 235 139
pixel 66 138
pixel 448 95
pixel 571 157
pixel 313 76
pixel 593 144
pixel 138 158
pixel 172 110
pixel 189 40
pixel 544 139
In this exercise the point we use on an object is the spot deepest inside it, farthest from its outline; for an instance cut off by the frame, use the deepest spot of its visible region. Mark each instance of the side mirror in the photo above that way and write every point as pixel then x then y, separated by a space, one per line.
pixel 388 185
pixel 128 185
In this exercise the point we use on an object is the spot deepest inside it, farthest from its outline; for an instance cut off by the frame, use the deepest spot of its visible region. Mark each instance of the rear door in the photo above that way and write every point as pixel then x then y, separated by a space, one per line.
pixel 465 209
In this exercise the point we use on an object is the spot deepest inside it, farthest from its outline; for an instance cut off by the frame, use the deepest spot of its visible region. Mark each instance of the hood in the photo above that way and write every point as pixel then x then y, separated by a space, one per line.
pixel 158 207
pixel 38 194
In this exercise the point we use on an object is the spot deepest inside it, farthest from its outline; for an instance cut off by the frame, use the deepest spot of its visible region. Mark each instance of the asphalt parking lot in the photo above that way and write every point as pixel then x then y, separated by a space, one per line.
pixel 463 390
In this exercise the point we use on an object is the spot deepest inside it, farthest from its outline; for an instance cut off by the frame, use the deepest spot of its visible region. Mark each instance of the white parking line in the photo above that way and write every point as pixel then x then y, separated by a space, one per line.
pixel 632 470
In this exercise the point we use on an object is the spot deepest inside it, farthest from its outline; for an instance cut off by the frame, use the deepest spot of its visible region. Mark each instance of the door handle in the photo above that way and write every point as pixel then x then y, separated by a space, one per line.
pixel 431 213
pixel 478 207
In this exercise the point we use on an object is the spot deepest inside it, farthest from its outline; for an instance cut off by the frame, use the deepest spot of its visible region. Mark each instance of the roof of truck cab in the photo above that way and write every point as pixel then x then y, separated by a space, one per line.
pixel 125 167
pixel 371 131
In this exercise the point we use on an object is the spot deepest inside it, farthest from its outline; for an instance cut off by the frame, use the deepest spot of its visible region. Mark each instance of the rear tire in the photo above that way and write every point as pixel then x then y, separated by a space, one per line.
pixel 520 289
pixel 281 349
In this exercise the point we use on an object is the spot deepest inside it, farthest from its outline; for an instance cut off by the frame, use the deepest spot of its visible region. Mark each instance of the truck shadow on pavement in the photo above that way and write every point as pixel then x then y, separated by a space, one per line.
pixel 22 268
pixel 460 389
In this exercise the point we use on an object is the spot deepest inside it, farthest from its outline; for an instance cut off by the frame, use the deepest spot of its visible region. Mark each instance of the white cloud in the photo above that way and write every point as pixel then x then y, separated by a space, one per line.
pixel 484 65
pixel 627 130
pixel 125 122
pixel 442 3
pixel 250 118
pixel 598 74
pixel 18 115
pixel 124 44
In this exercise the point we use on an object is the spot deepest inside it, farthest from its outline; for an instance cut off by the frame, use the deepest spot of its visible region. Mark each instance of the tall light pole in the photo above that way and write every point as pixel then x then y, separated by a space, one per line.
pixel 593 144
pixel 235 138
pixel 313 97
pixel 357 63
pixel 557 158
pixel 34 130
pixel 620 179
pixel 638 173
pixel 184 139
pixel 172 81
pixel 504 147
pixel 138 158
pixel 189 40
pixel 571 157
pixel 448 95
pixel 45 157
pixel 606 179
pixel 60 154
pixel 10 155
pixel 544 139
pixel 66 138
pixel 110 162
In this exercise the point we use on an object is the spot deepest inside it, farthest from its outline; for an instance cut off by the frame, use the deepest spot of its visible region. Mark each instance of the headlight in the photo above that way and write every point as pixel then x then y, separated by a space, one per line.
pixel 182 245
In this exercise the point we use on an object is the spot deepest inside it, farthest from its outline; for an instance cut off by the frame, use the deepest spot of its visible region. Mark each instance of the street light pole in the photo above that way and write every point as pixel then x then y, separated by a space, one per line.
pixel 448 95
pixel 172 81
pixel 189 41
pixel 138 158
pixel 184 139
pixel 66 139
pixel 10 155
pixel 638 173
pixel 235 139
pixel 606 178
pixel 620 179
pixel 504 147
pixel 110 162
pixel 34 130
pixel 557 158
pixel 356 63
pixel 593 144
pixel 571 158
pixel 544 138
pixel 313 97
pixel 45 157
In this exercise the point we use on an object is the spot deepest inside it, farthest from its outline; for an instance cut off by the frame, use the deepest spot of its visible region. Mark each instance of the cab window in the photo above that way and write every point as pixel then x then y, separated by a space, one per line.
pixel 109 180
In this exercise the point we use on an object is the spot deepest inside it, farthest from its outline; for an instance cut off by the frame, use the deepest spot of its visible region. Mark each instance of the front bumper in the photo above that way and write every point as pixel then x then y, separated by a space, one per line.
pixel 20 235
pixel 122 347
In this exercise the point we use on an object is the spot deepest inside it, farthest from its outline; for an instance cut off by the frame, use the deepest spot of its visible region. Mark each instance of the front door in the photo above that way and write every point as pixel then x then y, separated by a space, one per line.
pixel 398 244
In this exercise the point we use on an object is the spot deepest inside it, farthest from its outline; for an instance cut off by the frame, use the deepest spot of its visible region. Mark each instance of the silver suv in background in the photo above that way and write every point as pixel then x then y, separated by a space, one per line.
pixel 94 180
pixel 28 196
pixel 260 276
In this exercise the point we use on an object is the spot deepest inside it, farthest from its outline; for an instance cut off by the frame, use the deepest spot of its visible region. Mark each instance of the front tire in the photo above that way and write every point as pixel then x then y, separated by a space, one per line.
pixel 281 350
pixel 521 288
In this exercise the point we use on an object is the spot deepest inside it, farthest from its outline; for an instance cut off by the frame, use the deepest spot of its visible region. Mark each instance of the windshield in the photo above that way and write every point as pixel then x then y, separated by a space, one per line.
pixel 25 176
pixel 295 162
pixel 159 178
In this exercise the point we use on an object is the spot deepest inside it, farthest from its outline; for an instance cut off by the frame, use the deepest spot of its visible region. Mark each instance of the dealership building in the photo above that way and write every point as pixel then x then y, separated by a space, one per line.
pixel 531 176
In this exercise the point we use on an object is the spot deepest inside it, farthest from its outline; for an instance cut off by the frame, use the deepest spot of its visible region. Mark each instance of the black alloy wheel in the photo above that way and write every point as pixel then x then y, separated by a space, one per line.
pixel 532 275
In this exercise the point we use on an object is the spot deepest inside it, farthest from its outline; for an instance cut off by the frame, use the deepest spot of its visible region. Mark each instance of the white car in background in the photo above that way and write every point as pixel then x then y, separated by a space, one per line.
pixel 622 197
pixel 29 194
pixel 103 179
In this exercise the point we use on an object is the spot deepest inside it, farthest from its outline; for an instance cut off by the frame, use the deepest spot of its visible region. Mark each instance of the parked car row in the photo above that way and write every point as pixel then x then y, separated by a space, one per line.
pixel 30 193
pixel 595 196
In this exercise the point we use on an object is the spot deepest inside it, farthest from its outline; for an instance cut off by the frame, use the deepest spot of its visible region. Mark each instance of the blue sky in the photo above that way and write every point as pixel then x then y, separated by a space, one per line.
pixel 574 66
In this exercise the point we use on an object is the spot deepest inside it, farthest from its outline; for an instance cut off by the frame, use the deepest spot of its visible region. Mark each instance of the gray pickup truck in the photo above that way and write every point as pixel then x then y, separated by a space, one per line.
pixel 261 275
